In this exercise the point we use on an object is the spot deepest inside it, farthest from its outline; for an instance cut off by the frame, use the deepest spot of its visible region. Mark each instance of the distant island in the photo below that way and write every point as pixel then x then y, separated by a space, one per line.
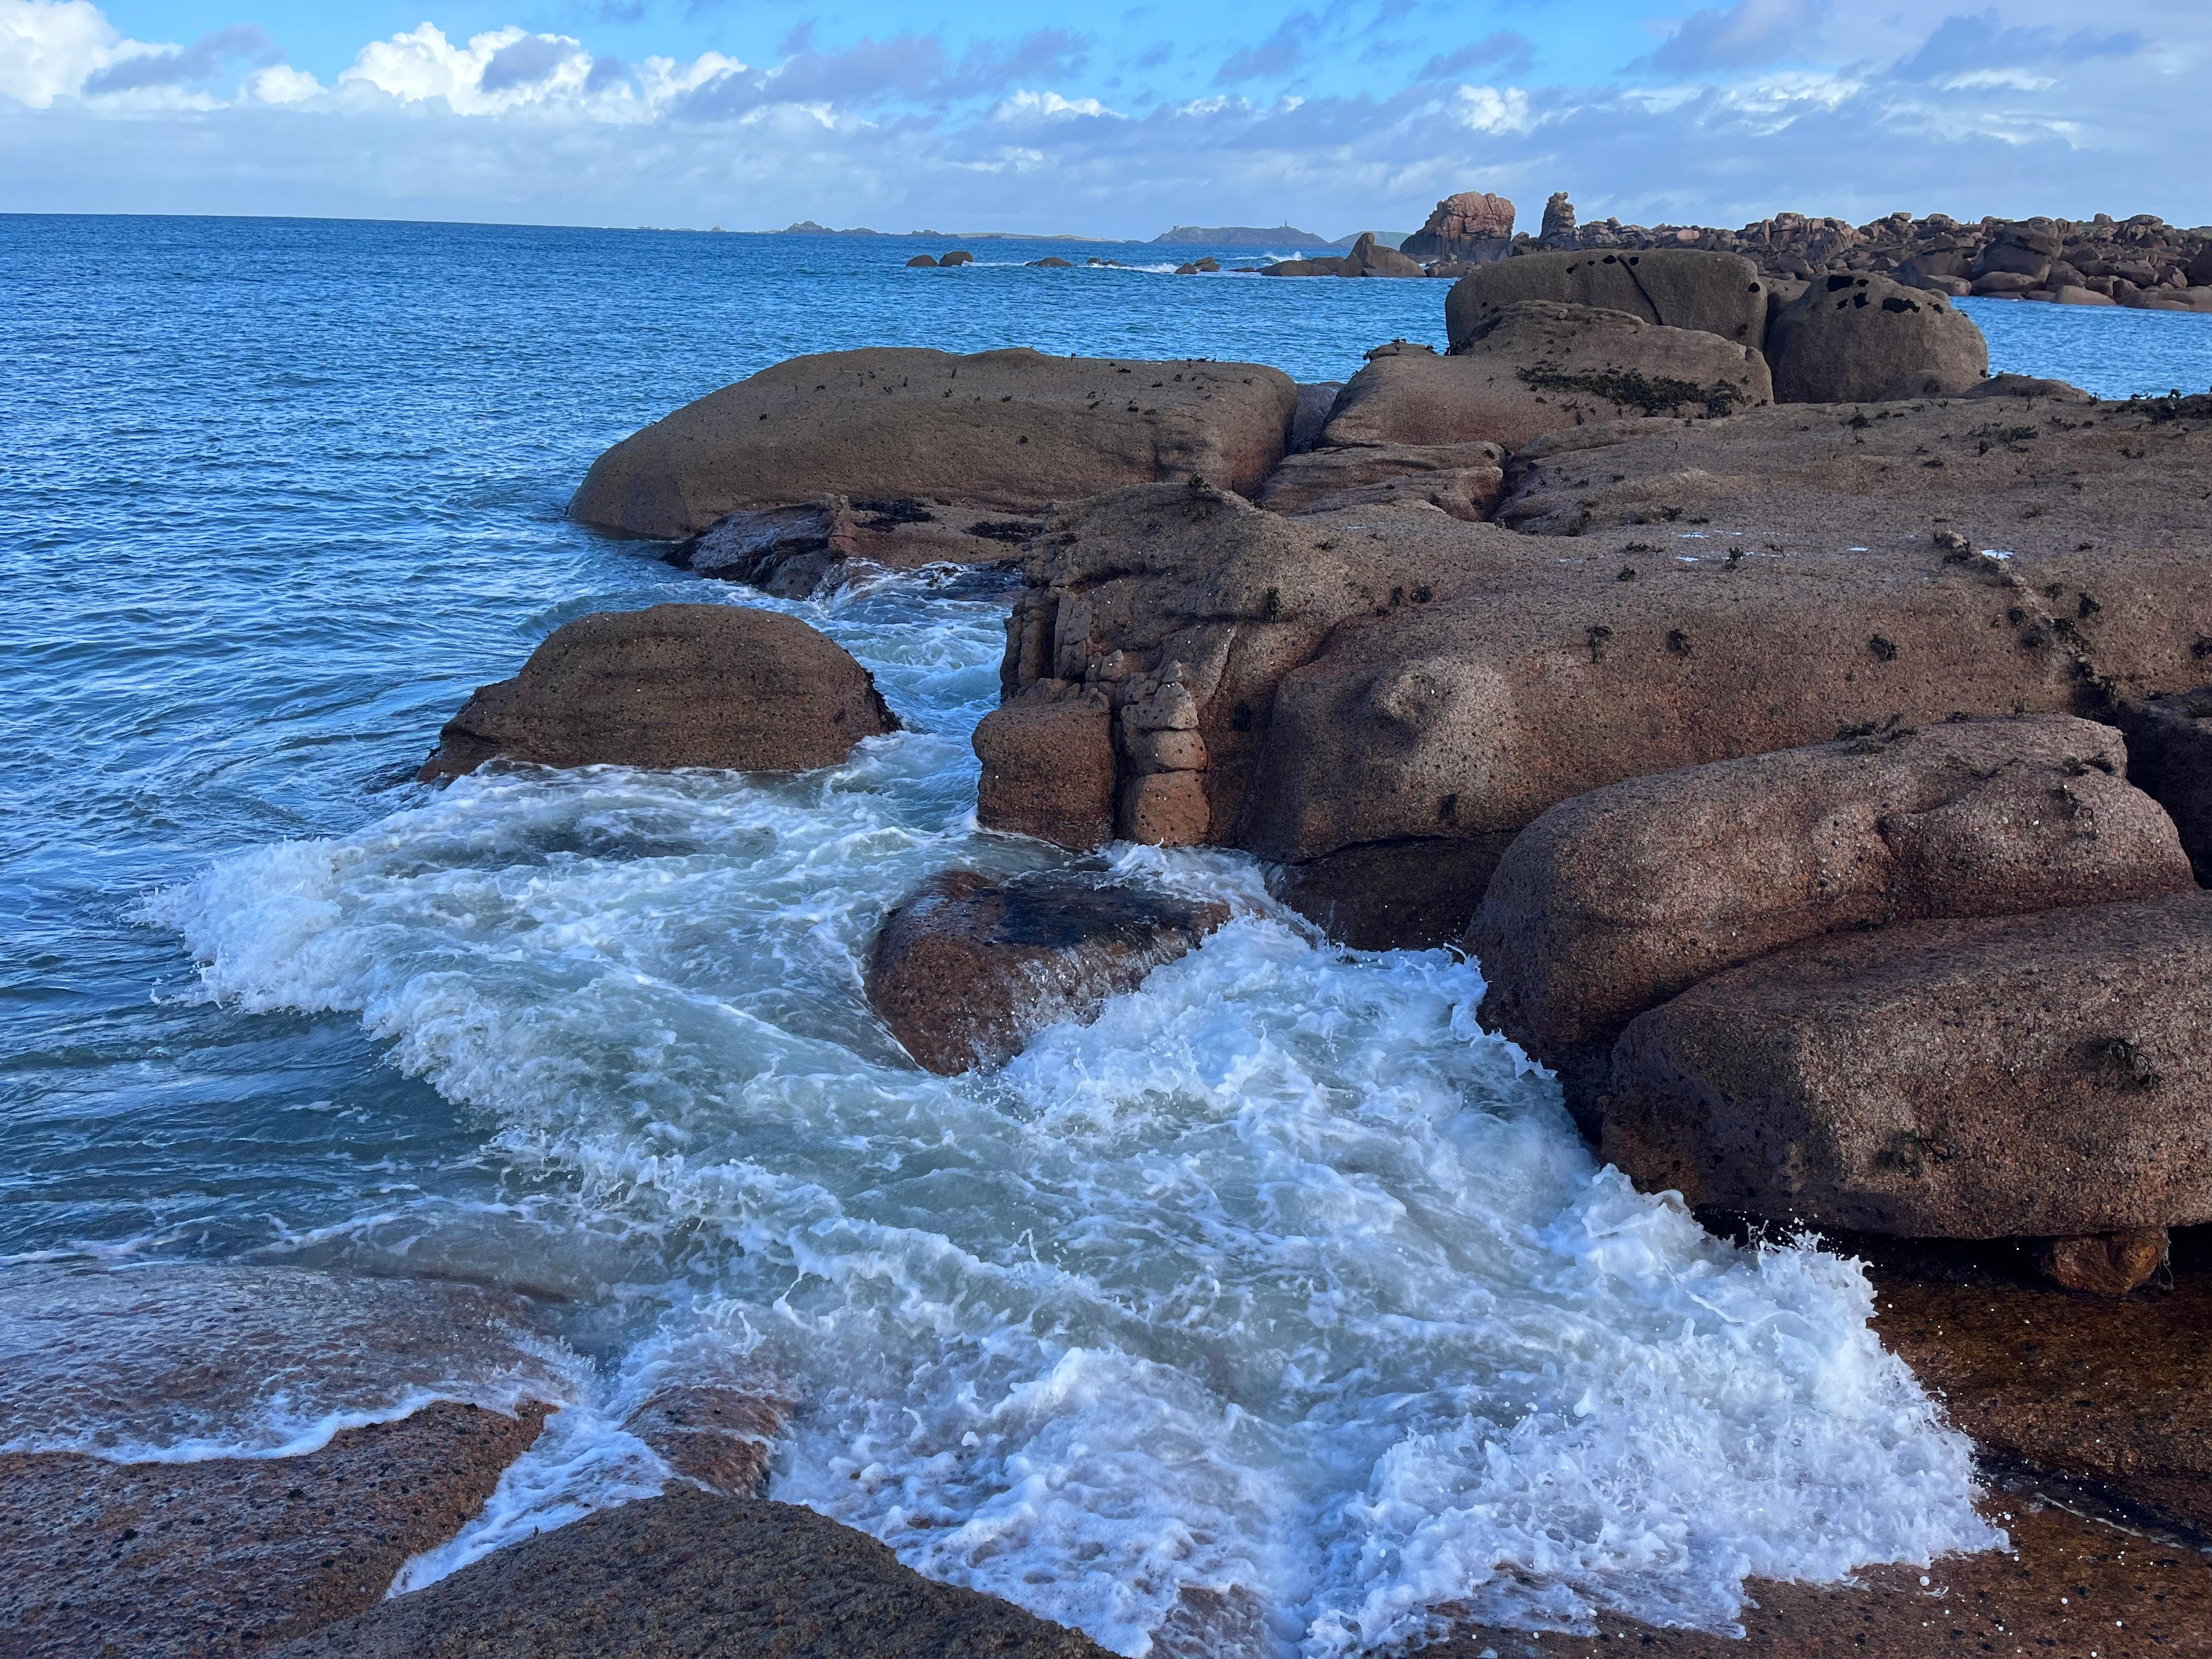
pixel 808 227
pixel 1245 236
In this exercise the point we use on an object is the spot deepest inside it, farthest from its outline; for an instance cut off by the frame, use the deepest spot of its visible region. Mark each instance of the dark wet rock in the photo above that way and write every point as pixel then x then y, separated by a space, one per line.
pixel 691 1575
pixel 795 552
pixel 2047 1074
pixel 1530 368
pixel 965 972
pixel 1315 401
pixel 1053 262
pixel 227 1556
pixel 2113 1391
pixel 1302 481
pixel 2068 1586
pixel 2105 1264
pixel 673 685
pixel 2029 386
pixel 1001 431
pixel 1193 267
pixel 1369 257
pixel 1316 267
pixel 2170 756
pixel 1048 765
pixel 959 256
pixel 921 261
pixel 1612 902
pixel 1394 896
pixel 1865 338
pixel 719 1435
pixel 1681 288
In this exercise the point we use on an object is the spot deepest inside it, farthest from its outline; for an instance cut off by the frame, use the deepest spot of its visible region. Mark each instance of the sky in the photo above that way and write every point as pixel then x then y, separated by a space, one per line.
pixel 1101 119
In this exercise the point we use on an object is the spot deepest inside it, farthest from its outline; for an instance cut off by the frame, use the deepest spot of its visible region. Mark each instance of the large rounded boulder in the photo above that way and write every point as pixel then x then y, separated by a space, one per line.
pixel 1009 430
pixel 1861 338
pixel 1718 293
pixel 674 685
pixel 1537 367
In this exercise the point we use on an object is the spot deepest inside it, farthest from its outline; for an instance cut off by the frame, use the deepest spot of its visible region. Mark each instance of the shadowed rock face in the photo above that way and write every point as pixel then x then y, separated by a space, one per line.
pixel 999 430
pixel 1614 901
pixel 1718 293
pixel 675 685
pixel 1534 367
pixel 2044 1074
pixel 2170 756
pixel 965 973
pixel 1852 338
pixel 691 1575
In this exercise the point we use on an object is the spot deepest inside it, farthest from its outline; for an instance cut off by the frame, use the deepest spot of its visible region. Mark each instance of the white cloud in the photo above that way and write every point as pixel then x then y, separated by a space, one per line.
pixel 280 83
pixel 498 72
pixel 49 47
pixel 1046 106
pixel 1485 109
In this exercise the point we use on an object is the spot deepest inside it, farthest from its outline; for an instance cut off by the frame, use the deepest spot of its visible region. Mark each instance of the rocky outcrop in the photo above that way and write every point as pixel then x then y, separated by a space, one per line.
pixel 958 256
pixel 1315 401
pixel 1681 288
pixel 1558 229
pixel 2027 476
pixel 1048 764
pixel 673 685
pixel 1369 257
pixel 225 1556
pixel 2170 756
pixel 1472 228
pixel 1319 266
pixel 2040 1074
pixel 1473 474
pixel 693 1574
pixel 714 1435
pixel 965 972
pixel 1342 679
pixel 795 552
pixel 1532 369
pixel 999 431
pixel 1865 338
pixel 921 261
pixel 1612 902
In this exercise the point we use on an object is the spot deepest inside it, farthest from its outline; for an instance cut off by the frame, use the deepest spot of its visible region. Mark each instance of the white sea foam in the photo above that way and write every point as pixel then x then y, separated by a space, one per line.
pixel 1280 1277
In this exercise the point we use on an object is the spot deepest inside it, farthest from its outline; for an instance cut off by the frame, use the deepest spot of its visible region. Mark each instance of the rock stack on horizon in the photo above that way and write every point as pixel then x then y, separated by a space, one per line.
pixel 1472 228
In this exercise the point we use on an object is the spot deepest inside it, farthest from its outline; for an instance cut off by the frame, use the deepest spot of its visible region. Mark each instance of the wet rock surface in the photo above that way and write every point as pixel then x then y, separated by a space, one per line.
pixel 719 1435
pixel 2070 1586
pixel 2116 1392
pixel 2043 1074
pixel 229 1555
pixel 689 1575
pixel 1611 901
pixel 1048 766
pixel 1008 431
pixel 965 972
pixel 674 685
pixel 1530 368
pixel 795 552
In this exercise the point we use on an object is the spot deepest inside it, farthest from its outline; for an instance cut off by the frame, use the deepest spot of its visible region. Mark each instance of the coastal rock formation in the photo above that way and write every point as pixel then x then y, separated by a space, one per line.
pixel 2170 756
pixel 1531 368
pixel 959 256
pixel 1472 228
pixel 1558 229
pixel 1316 400
pixel 921 261
pixel 1612 902
pixel 1474 471
pixel 1320 265
pixel 965 972
pixel 997 431
pixel 2039 1074
pixel 1681 288
pixel 1048 761
pixel 1865 338
pixel 1369 257
pixel 225 1556
pixel 794 552
pixel 694 1574
pixel 673 685
pixel 714 1434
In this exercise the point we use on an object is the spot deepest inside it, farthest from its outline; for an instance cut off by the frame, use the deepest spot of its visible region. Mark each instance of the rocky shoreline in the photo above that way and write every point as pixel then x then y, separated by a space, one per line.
pixel 1810 735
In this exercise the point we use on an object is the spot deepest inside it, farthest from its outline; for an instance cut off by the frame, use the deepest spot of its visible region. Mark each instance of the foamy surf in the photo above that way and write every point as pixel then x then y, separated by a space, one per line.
pixel 1282 1280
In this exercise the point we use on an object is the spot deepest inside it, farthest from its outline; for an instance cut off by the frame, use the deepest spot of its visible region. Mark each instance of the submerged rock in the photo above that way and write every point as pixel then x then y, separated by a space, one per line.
pixel 1612 902
pixel 1532 369
pixel 2046 1074
pixel 674 685
pixel 719 1435
pixel 965 972
pixel 692 1574
pixel 1865 338
pixel 1718 293
pixel 226 1555
pixel 1001 431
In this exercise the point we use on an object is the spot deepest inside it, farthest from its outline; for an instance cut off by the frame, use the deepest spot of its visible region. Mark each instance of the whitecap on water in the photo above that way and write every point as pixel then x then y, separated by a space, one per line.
pixel 1282 1278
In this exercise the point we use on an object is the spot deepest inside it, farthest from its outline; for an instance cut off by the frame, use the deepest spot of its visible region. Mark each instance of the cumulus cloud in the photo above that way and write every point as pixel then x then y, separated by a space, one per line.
pixel 180 66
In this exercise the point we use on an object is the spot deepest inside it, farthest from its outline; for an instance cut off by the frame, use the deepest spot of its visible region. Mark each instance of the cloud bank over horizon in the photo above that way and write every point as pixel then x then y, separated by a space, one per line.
pixel 1334 116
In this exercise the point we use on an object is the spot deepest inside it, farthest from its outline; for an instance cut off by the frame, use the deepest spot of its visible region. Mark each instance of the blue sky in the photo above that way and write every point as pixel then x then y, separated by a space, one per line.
pixel 1105 119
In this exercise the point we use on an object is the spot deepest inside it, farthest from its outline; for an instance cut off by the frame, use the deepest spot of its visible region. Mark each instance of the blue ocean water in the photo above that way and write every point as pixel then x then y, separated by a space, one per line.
pixel 276 495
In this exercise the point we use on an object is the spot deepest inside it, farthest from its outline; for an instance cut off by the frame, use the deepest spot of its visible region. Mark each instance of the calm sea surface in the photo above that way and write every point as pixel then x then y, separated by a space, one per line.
pixel 1282 1277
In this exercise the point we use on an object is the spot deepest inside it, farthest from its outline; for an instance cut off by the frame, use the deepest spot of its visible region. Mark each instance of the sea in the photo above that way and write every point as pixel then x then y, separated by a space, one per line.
pixel 1282 1280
